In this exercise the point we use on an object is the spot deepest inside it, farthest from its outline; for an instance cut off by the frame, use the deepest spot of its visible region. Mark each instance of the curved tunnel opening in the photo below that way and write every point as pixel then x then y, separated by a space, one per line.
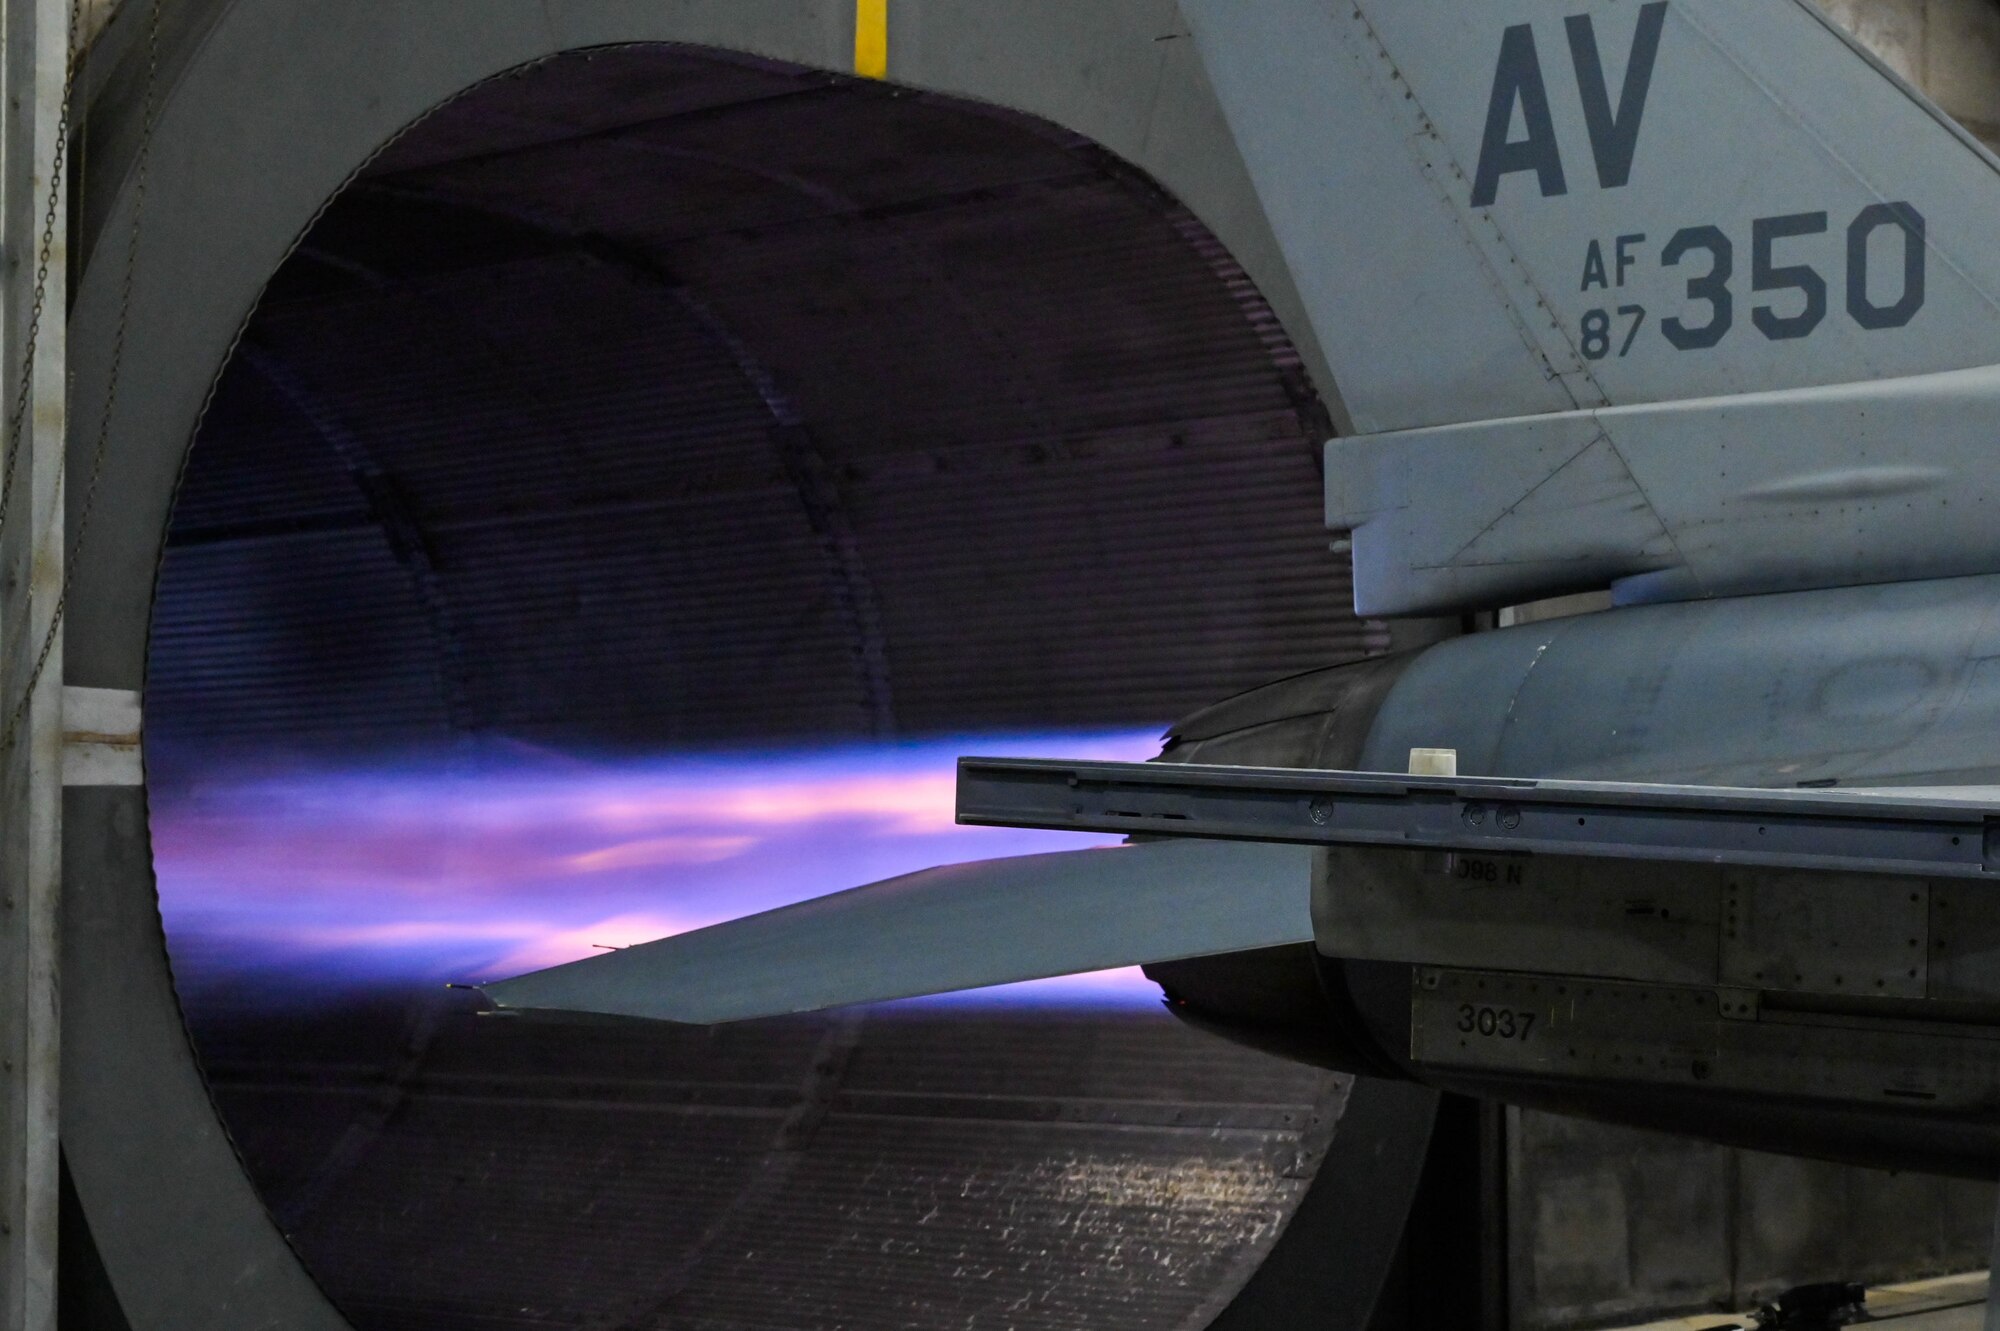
pixel 651 429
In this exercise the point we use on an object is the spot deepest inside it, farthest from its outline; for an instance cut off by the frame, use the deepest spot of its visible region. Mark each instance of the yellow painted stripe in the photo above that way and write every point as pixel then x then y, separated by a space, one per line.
pixel 871 38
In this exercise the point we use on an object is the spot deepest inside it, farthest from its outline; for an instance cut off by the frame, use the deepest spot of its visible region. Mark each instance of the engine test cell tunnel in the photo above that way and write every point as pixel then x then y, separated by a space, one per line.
pixel 750 402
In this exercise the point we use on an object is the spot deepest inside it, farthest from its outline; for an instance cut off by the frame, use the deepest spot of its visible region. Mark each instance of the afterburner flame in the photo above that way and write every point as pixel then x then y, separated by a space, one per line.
pixel 505 860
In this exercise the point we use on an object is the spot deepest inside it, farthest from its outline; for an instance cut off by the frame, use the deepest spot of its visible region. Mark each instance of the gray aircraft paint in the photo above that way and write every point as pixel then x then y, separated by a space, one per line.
pixel 1853 483
pixel 958 926
pixel 1890 685
pixel 1753 206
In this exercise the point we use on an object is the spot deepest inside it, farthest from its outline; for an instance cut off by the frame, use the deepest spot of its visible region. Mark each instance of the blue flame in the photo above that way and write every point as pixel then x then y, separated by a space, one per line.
pixel 293 879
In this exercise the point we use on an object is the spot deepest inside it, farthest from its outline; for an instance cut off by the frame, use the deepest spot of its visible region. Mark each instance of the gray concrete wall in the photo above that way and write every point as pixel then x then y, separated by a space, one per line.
pixel 1613 1224
pixel 1949 48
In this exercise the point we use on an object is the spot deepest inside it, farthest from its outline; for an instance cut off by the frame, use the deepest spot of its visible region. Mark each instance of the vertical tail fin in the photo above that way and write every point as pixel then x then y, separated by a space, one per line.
pixel 1519 207
pixel 1591 276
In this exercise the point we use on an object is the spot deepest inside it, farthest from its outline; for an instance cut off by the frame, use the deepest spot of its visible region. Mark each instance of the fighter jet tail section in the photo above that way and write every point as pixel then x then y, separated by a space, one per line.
pixel 961 926
pixel 1521 230
pixel 1836 947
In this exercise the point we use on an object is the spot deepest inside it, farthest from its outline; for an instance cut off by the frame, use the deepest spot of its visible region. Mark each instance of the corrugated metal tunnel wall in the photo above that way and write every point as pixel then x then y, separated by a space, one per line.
pixel 752 403
pixel 649 398
pixel 344 582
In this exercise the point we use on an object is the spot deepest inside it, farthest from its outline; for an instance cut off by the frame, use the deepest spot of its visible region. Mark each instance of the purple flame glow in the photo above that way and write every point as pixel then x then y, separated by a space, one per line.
pixel 489 864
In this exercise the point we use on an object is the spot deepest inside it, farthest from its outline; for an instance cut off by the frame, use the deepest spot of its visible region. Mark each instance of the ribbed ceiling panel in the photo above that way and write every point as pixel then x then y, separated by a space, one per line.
pixel 750 405
pixel 585 94
pixel 531 386
pixel 285 642
pixel 1102 573
pixel 263 464
pixel 683 639
pixel 764 164
pixel 1038 318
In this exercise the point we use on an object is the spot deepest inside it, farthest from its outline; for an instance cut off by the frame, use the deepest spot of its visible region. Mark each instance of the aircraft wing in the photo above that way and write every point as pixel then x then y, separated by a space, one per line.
pixel 965 926
pixel 960 926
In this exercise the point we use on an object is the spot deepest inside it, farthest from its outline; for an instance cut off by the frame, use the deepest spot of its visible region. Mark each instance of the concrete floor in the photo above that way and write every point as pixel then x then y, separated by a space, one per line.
pixel 1948 1303
pixel 439 1172
pixel 1969 1318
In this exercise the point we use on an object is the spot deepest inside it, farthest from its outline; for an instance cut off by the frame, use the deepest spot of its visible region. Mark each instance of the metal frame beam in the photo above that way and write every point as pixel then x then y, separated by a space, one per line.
pixel 34 205
pixel 1876 831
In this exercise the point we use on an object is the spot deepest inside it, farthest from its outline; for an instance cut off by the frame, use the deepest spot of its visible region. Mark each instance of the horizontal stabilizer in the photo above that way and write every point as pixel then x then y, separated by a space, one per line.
pixel 1756 474
pixel 960 926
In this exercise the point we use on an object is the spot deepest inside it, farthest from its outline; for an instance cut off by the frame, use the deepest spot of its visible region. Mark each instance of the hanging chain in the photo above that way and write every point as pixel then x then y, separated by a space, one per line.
pixel 101 444
pixel 18 417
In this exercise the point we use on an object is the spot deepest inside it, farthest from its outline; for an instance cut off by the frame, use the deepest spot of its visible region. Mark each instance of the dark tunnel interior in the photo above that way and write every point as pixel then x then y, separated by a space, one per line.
pixel 648 404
